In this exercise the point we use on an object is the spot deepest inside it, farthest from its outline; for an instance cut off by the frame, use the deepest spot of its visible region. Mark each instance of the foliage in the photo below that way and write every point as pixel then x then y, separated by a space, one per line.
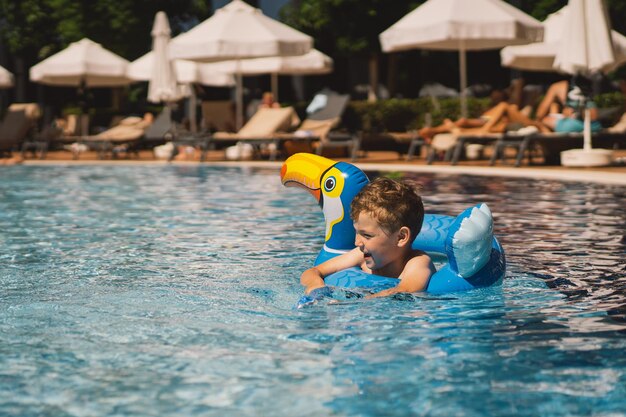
pixel 345 27
pixel 34 29
pixel 607 100
pixel 396 115
pixel 352 26
pixel 539 9
pixel 43 27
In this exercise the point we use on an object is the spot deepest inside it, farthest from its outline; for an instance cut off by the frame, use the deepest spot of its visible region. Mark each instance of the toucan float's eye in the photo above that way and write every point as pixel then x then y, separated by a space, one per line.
pixel 332 183
pixel 329 184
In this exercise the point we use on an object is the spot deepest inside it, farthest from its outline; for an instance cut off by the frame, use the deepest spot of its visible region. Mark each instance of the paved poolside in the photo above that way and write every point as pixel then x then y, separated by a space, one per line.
pixel 381 161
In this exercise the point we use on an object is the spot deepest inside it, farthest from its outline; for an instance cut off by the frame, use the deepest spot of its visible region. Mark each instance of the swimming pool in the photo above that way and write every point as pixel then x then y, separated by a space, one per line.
pixel 142 291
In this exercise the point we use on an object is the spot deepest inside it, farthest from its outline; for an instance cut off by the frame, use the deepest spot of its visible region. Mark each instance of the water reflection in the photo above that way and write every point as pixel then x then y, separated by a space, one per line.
pixel 570 235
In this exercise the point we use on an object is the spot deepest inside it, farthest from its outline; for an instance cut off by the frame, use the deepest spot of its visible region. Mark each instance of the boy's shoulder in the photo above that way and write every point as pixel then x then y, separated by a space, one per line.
pixel 418 253
pixel 417 272
pixel 419 258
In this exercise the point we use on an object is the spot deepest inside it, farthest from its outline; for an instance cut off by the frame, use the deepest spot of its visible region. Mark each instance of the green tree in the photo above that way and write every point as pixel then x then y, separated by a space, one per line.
pixel 351 27
pixel 123 26
pixel 347 27
pixel 32 30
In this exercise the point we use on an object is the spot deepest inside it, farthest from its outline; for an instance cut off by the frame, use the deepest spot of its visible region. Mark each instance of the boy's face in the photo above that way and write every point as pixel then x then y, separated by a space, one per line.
pixel 379 248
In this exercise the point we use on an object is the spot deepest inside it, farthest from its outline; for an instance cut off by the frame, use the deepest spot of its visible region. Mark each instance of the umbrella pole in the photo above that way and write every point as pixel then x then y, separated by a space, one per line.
pixel 83 125
pixel 275 86
pixel 239 96
pixel 463 77
pixel 193 103
pixel 587 130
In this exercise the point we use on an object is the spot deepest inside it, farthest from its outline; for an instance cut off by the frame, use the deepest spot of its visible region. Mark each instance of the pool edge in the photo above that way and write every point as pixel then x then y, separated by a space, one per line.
pixel 578 175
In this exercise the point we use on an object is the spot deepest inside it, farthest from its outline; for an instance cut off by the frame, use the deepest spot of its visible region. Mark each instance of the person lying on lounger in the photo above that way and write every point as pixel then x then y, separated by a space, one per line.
pixel 494 120
pixel 563 109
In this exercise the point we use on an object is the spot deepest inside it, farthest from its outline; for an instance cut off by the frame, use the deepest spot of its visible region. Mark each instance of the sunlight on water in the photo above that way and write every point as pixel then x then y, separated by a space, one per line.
pixel 158 291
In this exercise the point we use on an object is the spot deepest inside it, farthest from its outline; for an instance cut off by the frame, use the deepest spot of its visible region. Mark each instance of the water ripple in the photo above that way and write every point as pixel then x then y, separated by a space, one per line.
pixel 169 291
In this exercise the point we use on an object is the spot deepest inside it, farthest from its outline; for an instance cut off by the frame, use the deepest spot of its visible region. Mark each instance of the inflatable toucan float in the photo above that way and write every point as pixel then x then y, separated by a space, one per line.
pixel 474 258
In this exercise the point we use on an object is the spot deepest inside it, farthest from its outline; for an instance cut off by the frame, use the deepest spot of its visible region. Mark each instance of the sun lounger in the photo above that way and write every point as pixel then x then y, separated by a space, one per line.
pixel 552 144
pixel 415 141
pixel 161 130
pixel 18 123
pixel 39 143
pixel 518 141
pixel 263 124
pixel 310 130
pixel 128 130
pixel 218 115
pixel 316 133
pixel 464 140
pixel 72 127
pixel 453 144
pixel 261 129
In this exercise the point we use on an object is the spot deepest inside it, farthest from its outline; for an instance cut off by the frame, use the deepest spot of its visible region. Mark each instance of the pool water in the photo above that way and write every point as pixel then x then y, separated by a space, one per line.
pixel 154 291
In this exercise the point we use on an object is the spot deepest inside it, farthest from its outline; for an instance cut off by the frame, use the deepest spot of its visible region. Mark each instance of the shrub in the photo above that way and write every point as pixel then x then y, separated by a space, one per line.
pixel 396 115
pixel 606 100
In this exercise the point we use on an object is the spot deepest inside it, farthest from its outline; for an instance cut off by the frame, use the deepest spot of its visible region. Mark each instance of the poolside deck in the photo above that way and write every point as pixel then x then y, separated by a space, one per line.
pixel 378 160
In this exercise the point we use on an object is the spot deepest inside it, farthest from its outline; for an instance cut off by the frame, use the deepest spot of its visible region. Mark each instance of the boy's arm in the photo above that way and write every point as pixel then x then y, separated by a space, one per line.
pixel 313 278
pixel 413 278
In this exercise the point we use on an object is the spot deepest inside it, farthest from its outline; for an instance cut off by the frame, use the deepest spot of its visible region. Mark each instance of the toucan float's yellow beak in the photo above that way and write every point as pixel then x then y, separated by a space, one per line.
pixel 305 170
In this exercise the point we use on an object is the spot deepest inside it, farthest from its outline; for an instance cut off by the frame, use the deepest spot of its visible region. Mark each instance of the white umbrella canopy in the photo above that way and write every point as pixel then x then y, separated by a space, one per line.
pixel 6 78
pixel 461 25
pixel 82 63
pixel 162 86
pixel 539 56
pixel 313 62
pixel 239 31
pixel 187 72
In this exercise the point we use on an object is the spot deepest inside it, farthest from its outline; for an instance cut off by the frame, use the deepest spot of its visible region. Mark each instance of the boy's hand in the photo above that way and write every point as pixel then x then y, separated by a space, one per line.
pixel 383 293
pixel 311 279
pixel 310 288
pixel 313 297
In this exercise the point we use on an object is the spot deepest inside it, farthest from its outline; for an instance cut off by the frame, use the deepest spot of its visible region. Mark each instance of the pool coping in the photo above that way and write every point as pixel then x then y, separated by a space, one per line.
pixel 570 175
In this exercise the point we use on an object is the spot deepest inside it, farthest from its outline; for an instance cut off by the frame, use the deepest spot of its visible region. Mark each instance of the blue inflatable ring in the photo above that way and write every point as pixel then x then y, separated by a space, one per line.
pixel 474 256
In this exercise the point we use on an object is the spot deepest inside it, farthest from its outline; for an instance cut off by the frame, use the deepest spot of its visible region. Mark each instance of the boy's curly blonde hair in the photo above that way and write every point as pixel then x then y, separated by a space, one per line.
pixel 393 204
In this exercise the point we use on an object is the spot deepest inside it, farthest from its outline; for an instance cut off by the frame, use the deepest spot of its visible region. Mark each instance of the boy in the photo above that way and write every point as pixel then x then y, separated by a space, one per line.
pixel 387 217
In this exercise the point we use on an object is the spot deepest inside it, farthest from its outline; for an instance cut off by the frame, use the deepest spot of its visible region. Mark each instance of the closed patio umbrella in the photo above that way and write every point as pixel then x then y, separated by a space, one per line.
pixel 239 31
pixel 6 78
pixel 586 44
pixel 187 72
pixel 586 47
pixel 163 85
pixel 169 79
pixel 539 56
pixel 461 25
